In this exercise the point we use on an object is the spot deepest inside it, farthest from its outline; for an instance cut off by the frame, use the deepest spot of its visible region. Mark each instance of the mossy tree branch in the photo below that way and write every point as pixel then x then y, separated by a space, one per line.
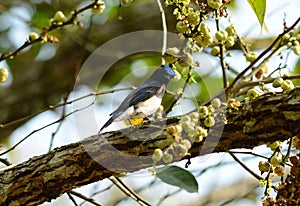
pixel 46 177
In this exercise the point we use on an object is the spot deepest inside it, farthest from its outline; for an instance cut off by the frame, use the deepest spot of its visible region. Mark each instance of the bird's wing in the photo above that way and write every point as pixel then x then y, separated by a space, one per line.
pixel 135 97
pixel 143 94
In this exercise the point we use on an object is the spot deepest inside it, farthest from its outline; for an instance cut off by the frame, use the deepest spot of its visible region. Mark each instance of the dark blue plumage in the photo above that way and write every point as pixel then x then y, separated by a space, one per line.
pixel 145 100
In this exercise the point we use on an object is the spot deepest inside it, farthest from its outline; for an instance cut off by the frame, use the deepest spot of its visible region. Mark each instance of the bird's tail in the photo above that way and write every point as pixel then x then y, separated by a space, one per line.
pixel 111 119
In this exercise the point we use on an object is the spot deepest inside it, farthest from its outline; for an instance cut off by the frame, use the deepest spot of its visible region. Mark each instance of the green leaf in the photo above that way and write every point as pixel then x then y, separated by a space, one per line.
pixel 259 8
pixel 179 177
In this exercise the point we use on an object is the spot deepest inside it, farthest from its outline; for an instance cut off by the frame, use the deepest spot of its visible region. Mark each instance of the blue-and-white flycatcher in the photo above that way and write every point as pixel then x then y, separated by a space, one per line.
pixel 144 100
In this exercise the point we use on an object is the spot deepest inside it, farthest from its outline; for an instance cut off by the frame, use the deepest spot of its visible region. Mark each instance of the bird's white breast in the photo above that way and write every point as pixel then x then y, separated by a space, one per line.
pixel 146 108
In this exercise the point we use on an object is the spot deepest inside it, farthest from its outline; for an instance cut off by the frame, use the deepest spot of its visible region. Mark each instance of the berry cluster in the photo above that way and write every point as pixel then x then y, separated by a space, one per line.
pixel 289 190
pixel 191 128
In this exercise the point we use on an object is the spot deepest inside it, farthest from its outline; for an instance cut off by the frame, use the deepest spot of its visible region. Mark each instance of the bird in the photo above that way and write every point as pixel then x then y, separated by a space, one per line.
pixel 144 100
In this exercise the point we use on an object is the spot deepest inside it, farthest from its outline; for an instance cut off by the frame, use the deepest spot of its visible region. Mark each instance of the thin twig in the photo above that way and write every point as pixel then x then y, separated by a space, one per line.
pixel 5 161
pixel 50 107
pixel 130 193
pixel 261 55
pixel 45 32
pixel 63 113
pixel 221 56
pixel 72 199
pixel 88 199
pixel 245 166
pixel 164 25
pixel 259 82
pixel 41 128
pixel 187 81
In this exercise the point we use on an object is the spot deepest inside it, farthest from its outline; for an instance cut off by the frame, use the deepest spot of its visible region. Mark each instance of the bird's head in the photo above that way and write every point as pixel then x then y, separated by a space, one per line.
pixel 166 71
pixel 161 76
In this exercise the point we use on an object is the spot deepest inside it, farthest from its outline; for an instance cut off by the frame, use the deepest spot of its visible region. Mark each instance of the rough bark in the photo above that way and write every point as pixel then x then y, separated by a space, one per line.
pixel 46 177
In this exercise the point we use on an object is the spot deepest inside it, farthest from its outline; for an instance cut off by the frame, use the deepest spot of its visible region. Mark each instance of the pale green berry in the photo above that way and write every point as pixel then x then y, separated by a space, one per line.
pixel 251 56
pixel 231 30
pixel 169 59
pixel 201 131
pixel 215 51
pixel 198 138
pixel 211 109
pixel 182 27
pixel 230 41
pixel 209 121
pixel 186 60
pixel 253 93
pixel 275 160
pixel 216 103
pixel 186 143
pixel 215 4
pixel 99 7
pixel 204 28
pixel 204 39
pixel 286 37
pixel 174 51
pixel 59 16
pixel 190 128
pixel 264 166
pixel 157 155
pixel 203 111
pixel 296 50
pixel 33 36
pixel 221 35
pixel 287 85
pixel 296 43
pixel 274 145
pixel 171 55
pixel 185 118
pixel 180 150
pixel 193 19
pixel 3 75
pixel 277 82
pixel 167 158
pixel 194 116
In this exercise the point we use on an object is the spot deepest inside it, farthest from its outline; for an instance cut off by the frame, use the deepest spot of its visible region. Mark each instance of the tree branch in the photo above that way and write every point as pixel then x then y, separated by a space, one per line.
pixel 42 178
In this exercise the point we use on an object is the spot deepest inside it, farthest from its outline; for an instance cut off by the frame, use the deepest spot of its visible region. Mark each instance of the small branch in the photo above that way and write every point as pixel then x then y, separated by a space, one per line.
pixel 5 161
pixel 187 81
pixel 261 55
pixel 90 200
pixel 249 153
pixel 245 166
pixel 46 31
pixel 48 125
pixel 72 199
pixel 51 107
pixel 63 114
pixel 164 25
pixel 222 62
pixel 256 83
pixel 127 191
